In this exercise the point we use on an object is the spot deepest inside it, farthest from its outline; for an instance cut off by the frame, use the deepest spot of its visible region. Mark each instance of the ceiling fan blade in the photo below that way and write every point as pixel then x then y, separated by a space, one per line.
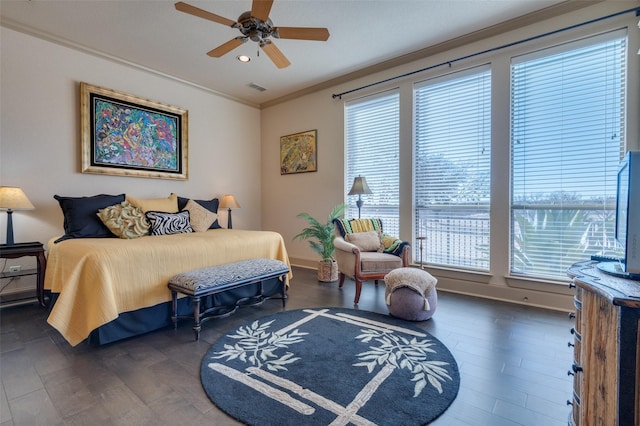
pixel 226 47
pixel 260 9
pixel 276 56
pixel 196 11
pixel 298 33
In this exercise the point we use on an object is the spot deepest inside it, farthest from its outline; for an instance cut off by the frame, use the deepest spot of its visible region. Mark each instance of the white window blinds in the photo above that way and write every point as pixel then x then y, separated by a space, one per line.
pixel 453 168
pixel 567 137
pixel 372 145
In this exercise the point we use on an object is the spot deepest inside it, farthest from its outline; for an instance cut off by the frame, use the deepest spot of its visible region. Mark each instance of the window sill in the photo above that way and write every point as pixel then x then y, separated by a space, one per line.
pixel 481 277
pixel 550 286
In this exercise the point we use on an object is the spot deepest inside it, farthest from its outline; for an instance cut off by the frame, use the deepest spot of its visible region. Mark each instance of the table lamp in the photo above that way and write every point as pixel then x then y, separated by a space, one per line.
pixel 229 202
pixel 13 198
pixel 358 188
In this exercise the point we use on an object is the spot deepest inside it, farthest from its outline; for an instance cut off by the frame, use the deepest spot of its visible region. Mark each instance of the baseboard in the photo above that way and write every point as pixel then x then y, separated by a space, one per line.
pixel 503 293
pixel 543 300
pixel 304 263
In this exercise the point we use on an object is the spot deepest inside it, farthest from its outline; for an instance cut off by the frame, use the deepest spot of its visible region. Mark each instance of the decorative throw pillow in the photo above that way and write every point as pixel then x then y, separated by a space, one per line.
pixel 168 205
pixel 125 220
pixel 211 205
pixel 199 217
pixel 80 220
pixel 169 223
pixel 366 241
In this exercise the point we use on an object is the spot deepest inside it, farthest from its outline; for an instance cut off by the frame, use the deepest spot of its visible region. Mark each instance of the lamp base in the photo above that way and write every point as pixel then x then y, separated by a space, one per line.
pixel 359 203
pixel 10 227
pixel 229 223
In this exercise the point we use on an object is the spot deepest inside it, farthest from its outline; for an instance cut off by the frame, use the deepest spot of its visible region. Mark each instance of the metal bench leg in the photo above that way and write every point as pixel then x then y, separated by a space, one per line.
pixel 283 282
pixel 174 309
pixel 196 317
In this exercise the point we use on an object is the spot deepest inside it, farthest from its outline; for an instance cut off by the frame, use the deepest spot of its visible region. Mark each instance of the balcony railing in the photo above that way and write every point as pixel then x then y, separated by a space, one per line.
pixel 459 236
pixel 454 236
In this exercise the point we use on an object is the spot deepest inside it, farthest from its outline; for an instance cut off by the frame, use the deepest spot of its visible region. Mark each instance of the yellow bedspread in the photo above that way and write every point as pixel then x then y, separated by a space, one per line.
pixel 98 278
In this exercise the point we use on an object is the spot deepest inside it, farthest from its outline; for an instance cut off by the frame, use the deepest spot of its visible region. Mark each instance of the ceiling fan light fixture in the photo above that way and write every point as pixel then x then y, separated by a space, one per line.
pixel 243 58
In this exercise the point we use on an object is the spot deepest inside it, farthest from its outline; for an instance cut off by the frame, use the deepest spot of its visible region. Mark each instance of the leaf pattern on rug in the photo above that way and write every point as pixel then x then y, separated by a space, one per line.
pixel 257 346
pixel 400 352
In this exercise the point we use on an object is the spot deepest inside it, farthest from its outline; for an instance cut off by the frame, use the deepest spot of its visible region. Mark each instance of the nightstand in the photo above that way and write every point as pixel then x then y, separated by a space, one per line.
pixel 35 249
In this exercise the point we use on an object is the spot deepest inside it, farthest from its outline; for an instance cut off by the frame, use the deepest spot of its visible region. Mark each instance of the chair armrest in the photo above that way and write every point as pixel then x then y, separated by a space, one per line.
pixel 405 255
pixel 341 244
pixel 348 257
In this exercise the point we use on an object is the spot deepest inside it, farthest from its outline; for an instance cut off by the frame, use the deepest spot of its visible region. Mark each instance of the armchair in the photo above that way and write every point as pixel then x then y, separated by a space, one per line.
pixel 364 253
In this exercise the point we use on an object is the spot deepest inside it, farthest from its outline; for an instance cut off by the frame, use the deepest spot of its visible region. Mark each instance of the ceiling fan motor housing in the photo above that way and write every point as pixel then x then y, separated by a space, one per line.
pixel 254 28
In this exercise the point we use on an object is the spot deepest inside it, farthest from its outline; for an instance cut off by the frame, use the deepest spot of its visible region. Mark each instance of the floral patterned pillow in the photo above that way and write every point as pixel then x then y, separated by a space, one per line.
pixel 125 220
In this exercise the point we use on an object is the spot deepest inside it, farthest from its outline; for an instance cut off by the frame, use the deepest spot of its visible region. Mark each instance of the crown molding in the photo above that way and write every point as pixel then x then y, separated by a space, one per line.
pixel 485 33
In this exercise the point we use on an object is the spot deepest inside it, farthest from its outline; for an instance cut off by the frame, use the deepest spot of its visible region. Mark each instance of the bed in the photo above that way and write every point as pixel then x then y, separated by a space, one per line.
pixel 107 289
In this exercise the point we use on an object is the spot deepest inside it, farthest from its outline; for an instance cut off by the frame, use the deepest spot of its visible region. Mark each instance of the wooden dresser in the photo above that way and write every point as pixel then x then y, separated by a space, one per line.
pixel 606 366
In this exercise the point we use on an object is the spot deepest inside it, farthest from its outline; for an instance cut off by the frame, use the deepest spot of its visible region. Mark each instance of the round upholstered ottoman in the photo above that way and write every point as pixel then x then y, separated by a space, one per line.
pixel 411 294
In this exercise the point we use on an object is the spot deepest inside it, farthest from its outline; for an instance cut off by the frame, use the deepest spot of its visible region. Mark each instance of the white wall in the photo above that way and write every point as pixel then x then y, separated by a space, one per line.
pixel 40 135
pixel 316 193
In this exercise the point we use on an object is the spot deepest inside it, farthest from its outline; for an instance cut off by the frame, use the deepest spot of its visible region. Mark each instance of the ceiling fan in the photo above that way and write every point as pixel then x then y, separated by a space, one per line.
pixel 255 25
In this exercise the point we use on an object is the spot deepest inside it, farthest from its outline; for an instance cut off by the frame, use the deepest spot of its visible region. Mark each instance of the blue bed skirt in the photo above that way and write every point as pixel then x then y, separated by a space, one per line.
pixel 145 320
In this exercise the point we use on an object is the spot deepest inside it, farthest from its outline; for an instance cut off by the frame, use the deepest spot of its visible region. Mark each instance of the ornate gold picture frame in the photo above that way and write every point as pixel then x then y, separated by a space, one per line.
pixel 124 135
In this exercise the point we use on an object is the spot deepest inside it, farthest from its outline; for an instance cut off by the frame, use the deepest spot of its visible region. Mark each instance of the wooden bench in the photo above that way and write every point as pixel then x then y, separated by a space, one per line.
pixel 216 279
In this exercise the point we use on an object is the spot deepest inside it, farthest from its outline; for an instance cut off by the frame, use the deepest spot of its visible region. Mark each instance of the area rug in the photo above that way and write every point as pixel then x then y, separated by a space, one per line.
pixel 330 366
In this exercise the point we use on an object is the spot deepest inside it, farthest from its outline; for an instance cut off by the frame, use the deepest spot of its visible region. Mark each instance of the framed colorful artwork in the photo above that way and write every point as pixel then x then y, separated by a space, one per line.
pixel 125 135
pixel 298 153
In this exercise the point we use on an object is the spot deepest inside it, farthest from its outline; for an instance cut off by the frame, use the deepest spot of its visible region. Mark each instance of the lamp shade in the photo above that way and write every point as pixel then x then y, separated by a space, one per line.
pixel 229 202
pixel 13 198
pixel 360 186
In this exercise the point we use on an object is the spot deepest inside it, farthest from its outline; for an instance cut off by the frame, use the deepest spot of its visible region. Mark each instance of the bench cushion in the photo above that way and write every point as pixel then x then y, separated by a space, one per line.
pixel 200 280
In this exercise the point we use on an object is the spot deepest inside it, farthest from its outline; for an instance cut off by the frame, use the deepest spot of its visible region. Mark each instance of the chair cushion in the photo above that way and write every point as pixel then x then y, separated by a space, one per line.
pixel 366 241
pixel 372 261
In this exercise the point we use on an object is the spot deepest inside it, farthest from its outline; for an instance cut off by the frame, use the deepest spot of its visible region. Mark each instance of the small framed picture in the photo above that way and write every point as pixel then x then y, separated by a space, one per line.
pixel 298 153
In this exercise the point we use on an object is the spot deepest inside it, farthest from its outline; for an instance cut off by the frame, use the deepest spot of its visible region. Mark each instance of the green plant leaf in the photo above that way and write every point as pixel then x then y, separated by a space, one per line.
pixel 321 235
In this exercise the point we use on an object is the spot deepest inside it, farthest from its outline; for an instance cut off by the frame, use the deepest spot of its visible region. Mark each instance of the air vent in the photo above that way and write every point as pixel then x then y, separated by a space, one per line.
pixel 255 86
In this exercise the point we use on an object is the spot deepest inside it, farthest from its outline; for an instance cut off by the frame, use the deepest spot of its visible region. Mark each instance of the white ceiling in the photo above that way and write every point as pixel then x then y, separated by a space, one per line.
pixel 153 34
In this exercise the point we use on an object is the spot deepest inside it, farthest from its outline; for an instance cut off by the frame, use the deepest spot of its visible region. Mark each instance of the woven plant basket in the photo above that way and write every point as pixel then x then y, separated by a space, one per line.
pixel 327 271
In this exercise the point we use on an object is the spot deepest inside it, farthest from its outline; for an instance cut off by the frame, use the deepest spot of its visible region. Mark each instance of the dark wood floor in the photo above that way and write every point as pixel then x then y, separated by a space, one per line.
pixel 513 364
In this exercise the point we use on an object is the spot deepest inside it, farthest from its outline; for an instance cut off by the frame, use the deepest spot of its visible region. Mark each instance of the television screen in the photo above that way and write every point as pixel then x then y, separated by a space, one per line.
pixel 627 232
pixel 622 204
pixel 628 213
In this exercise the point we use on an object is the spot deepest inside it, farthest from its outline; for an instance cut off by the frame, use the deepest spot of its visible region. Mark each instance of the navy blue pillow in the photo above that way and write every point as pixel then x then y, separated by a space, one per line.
pixel 81 215
pixel 211 205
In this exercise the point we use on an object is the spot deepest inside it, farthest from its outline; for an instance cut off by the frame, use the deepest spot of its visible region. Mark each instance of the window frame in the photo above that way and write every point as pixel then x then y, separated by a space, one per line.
pixel 470 75
pixel 568 47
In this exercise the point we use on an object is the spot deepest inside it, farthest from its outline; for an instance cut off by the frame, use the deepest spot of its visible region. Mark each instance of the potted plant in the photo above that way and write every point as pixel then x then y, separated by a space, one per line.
pixel 320 237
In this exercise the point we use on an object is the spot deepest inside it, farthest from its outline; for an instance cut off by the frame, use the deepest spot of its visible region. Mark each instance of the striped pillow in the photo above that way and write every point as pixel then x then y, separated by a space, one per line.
pixel 348 226
pixel 169 223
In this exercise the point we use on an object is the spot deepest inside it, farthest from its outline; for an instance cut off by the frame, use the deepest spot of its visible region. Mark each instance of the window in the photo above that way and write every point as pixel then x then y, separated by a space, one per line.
pixel 372 144
pixel 567 137
pixel 453 168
